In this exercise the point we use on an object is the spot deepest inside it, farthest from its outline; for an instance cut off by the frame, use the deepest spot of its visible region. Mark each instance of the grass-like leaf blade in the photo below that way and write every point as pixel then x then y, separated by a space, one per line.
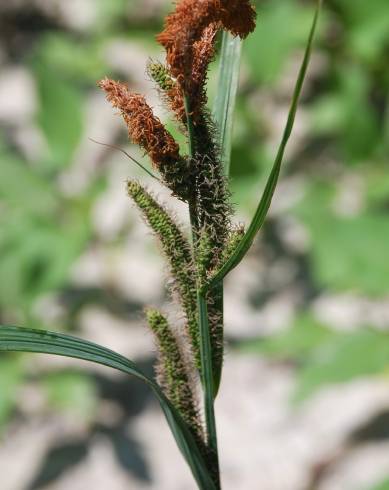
pixel 16 339
pixel 224 106
pixel 264 204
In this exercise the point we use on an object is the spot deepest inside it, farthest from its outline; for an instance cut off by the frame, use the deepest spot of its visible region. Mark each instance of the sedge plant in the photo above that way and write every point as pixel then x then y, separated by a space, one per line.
pixel 200 258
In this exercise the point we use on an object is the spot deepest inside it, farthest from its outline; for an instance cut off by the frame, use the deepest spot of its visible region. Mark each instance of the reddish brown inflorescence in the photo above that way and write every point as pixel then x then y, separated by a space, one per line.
pixel 186 26
pixel 203 53
pixel 144 128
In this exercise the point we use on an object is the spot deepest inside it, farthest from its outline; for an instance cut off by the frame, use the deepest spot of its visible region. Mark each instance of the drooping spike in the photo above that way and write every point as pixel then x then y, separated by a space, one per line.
pixel 177 251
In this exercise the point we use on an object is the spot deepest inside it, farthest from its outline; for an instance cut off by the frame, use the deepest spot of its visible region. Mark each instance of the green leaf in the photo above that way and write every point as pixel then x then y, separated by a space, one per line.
pixel 360 131
pixel 40 341
pixel 71 392
pixel 281 29
pixel 324 356
pixel 344 357
pixel 295 343
pixel 37 254
pixel 76 59
pixel 10 378
pixel 60 116
pixel 224 107
pixel 24 190
pixel 367 28
pixel 384 485
pixel 350 254
pixel 264 204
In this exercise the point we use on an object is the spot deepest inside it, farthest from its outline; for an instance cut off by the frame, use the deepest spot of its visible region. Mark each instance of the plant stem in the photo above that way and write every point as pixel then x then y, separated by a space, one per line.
pixel 207 376
pixel 204 329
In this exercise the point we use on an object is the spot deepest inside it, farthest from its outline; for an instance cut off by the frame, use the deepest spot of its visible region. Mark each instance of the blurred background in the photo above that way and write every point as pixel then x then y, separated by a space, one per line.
pixel 304 403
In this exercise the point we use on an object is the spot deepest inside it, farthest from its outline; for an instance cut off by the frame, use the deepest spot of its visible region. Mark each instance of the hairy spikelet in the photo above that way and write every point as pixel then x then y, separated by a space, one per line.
pixel 170 90
pixel 161 75
pixel 177 251
pixel 172 372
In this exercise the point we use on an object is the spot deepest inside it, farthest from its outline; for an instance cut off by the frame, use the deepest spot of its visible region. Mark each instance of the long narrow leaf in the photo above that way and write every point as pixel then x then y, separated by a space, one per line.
pixel 264 204
pixel 40 341
pixel 224 107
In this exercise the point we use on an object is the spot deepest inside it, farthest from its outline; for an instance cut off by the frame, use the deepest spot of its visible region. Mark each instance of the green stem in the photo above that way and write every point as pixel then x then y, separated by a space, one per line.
pixel 207 376
pixel 204 329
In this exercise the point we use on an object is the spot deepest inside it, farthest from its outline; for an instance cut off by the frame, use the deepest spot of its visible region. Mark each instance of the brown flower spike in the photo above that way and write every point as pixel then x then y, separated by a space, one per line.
pixel 171 91
pixel 186 25
pixel 144 128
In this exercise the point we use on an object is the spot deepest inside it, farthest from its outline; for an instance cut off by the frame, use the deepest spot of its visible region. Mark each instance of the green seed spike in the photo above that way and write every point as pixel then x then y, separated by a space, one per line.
pixel 179 254
pixel 172 372
pixel 160 74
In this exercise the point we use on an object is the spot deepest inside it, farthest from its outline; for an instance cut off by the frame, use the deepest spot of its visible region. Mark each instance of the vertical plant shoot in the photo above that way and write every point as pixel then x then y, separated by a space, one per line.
pixel 199 256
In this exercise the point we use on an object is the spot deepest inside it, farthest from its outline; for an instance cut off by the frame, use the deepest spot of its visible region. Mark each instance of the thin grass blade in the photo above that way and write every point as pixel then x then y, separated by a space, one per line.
pixel 224 107
pixel 264 204
pixel 15 339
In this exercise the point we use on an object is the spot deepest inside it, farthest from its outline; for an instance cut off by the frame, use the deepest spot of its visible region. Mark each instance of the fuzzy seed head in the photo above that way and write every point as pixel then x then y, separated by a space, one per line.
pixel 144 128
pixel 160 74
pixel 178 253
pixel 186 26
pixel 172 372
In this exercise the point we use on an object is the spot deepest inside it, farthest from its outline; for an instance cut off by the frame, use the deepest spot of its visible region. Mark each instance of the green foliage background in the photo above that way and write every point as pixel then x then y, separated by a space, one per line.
pixel 340 155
